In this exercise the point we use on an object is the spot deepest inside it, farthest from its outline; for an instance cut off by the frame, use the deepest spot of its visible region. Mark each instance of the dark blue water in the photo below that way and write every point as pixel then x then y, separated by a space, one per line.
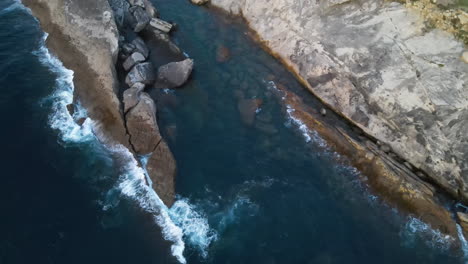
pixel 246 194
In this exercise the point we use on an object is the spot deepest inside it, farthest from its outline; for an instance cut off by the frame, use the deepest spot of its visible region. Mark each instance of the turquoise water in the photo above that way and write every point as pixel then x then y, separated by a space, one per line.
pixel 271 192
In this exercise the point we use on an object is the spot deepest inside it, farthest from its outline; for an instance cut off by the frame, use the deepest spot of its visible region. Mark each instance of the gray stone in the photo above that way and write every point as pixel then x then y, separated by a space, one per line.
pixel 174 74
pixel 323 111
pixel 141 47
pixel 142 126
pixel 128 48
pixel 140 18
pixel 199 2
pixel 131 96
pixel 142 72
pixel 159 24
pixel 132 60
pixel 139 3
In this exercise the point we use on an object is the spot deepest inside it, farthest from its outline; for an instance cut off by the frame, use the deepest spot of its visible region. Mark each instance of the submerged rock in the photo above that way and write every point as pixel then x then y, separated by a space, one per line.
pixel 143 73
pixel 223 54
pixel 162 169
pixel 248 109
pixel 174 74
pixel 142 126
pixel 133 59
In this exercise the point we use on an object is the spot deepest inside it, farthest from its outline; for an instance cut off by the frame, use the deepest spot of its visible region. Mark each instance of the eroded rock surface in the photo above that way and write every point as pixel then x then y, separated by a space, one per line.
pixel 162 170
pixel 379 65
pixel 142 126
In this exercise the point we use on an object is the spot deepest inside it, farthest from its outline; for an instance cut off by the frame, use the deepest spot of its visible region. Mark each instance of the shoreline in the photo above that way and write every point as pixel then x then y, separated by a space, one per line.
pixel 410 190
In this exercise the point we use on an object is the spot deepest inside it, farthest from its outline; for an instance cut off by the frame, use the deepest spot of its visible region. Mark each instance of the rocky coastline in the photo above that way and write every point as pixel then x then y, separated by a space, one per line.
pixel 400 82
pixel 105 43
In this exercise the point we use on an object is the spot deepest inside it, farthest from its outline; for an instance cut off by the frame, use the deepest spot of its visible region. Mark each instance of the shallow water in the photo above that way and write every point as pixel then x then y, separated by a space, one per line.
pixel 267 193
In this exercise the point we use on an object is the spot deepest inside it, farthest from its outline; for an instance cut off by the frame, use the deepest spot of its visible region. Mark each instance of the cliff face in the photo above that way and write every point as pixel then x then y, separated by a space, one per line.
pixel 84 36
pixel 379 65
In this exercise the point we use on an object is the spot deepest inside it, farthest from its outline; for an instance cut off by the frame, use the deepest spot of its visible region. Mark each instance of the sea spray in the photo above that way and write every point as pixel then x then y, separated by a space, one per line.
pixel 416 229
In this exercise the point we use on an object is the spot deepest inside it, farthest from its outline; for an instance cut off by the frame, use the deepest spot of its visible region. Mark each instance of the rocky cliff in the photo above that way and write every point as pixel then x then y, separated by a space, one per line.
pixel 381 66
pixel 84 36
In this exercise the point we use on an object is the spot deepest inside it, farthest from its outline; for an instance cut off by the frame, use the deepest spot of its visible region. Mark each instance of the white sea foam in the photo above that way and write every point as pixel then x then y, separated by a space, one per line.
pixel 195 227
pixel 464 243
pixel 417 229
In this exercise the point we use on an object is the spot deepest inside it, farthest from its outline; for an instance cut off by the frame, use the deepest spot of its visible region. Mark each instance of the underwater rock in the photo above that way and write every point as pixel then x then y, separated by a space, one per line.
pixel 248 110
pixel 223 54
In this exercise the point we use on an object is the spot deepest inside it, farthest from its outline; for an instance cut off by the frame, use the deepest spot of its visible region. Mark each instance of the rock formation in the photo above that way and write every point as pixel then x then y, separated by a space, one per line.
pixel 379 65
pixel 85 36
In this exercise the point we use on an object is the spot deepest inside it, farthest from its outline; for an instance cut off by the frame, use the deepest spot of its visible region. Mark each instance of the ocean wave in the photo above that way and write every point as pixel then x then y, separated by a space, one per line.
pixel 15 5
pixel 194 225
pixel 416 229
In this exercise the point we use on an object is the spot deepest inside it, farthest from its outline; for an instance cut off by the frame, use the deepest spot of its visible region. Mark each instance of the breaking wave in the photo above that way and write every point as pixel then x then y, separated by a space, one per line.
pixel 416 229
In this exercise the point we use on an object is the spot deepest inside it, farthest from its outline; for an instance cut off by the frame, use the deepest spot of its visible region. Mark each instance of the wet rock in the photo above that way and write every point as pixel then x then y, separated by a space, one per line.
pixel 140 18
pixel 128 48
pixel 142 126
pixel 132 60
pixel 162 171
pixel 131 96
pixel 174 74
pixel 223 54
pixel 199 2
pixel 142 72
pixel 248 109
pixel 71 109
pixel 141 47
pixel 323 111
pixel 81 121
pixel 159 24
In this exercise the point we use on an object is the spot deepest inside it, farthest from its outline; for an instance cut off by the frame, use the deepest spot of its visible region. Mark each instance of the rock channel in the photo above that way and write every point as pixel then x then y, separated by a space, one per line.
pixel 97 38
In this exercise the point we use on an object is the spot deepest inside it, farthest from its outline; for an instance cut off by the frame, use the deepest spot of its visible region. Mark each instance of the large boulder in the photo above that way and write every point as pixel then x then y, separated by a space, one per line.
pixel 142 72
pixel 174 74
pixel 131 96
pixel 133 59
pixel 162 171
pixel 140 18
pixel 142 126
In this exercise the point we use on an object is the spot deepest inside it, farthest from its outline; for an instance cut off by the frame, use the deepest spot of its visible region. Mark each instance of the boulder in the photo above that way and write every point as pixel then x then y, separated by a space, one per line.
pixel 162 171
pixel 222 54
pixel 133 59
pixel 141 47
pixel 174 74
pixel 159 24
pixel 150 9
pixel 142 72
pixel 248 110
pixel 199 2
pixel 139 18
pixel 128 48
pixel 139 3
pixel 142 126
pixel 131 96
